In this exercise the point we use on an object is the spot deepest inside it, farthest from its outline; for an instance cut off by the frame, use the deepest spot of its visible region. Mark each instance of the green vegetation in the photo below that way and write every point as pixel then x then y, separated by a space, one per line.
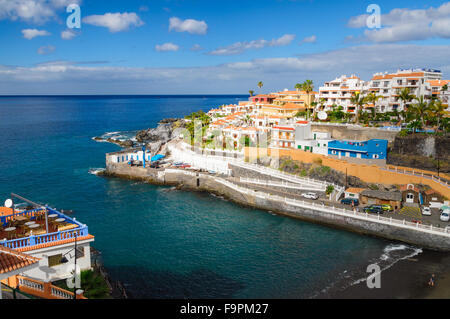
pixel 197 121
pixel 329 190
pixel 92 283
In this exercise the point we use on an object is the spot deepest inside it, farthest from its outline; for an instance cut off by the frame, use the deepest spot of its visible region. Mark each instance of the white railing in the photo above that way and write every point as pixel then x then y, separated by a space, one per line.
pixel 59 293
pixel 280 184
pixel 445 232
pixel 31 284
pixel 288 177
pixel 412 172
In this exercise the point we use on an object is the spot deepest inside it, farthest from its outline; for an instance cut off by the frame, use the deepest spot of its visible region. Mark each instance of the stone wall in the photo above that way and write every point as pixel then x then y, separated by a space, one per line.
pixel 354 133
pixel 421 151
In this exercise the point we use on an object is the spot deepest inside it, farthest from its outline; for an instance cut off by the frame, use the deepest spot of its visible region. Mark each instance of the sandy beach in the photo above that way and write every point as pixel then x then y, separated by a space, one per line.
pixel 407 279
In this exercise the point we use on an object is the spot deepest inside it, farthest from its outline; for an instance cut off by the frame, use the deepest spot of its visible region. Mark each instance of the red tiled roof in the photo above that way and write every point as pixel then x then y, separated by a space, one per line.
pixel 11 260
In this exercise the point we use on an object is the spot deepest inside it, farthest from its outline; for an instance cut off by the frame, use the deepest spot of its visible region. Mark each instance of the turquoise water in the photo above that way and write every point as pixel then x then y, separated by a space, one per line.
pixel 160 242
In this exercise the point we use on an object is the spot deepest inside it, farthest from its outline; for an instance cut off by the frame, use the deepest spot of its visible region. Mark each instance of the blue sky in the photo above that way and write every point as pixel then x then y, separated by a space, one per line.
pixel 147 47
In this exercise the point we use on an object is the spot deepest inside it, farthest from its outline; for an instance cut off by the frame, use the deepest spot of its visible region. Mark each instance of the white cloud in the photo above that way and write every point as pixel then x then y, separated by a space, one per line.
pixel 189 25
pixel 46 49
pixel 240 47
pixel 115 22
pixel 277 73
pixel 311 39
pixel 68 34
pixel 32 33
pixel 35 11
pixel 166 47
pixel 407 25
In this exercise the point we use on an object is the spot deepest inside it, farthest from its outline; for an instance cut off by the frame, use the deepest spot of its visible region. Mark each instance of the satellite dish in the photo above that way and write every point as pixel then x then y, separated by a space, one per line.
pixel 322 115
pixel 8 203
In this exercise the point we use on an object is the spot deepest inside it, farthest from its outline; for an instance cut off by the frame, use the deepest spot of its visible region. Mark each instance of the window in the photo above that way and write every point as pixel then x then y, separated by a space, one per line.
pixel 333 152
pixel 376 156
pixel 54 260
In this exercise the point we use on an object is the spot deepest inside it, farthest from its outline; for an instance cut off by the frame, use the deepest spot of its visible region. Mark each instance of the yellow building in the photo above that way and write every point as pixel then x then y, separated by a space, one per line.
pixel 285 111
pixel 288 103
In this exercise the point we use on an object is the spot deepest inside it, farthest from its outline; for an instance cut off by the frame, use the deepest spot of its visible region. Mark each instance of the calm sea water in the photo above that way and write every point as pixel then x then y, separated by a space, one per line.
pixel 163 243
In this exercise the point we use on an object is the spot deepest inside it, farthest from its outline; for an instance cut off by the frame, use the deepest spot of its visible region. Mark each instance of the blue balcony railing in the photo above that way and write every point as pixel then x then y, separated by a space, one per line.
pixel 33 240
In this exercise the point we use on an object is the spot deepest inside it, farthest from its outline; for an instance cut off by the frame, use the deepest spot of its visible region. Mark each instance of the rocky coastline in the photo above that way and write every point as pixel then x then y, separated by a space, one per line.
pixel 154 139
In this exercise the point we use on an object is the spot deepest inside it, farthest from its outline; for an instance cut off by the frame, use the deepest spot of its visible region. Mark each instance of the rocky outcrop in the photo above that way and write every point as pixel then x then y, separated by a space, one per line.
pixel 422 151
pixel 154 138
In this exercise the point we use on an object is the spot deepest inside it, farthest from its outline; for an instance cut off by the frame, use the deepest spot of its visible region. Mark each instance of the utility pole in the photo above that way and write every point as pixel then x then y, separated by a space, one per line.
pixel 346 186
pixel 75 274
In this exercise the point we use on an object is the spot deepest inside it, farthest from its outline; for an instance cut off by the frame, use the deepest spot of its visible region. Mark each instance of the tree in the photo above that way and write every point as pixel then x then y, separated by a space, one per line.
pixel 405 96
pixel 298 86
pixel 329 190
pixel 420 110
pixel 260 84
pixel 445 88
pixel 358 101
pixel 437 110
pixel 373 98
pixel 308 87
pixel 251 92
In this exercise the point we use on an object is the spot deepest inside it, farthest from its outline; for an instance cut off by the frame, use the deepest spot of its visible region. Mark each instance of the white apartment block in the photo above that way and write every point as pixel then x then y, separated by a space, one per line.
pixel 389 85
pixel 426 82
pixel 339 92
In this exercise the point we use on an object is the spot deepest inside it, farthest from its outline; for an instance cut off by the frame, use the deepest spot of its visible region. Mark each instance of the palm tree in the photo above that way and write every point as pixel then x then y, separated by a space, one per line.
pixel 308 87
pixel 420 109
pixel 251 92
pixel 373 98
pixel 298 86
pixel 358 100
pixel 437 110
pixel 322 103
pixel 405 96
pixel 260 84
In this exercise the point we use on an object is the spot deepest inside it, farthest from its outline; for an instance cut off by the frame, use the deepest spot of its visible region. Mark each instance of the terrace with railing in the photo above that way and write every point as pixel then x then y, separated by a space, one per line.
pixel 28 228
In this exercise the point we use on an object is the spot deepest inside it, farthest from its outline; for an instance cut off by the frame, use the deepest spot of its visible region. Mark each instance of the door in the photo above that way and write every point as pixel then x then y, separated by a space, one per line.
pixel 410 198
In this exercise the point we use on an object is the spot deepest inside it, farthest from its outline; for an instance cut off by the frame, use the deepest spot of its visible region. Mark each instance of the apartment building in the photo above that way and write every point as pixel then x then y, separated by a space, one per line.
pixel 389 85
pixel 339 92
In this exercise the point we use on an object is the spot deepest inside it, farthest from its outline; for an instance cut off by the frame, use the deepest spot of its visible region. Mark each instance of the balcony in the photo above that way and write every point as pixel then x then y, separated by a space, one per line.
pixel 60 227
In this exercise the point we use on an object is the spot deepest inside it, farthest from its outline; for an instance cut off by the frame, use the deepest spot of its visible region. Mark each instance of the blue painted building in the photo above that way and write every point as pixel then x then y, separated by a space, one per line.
pixel 371 149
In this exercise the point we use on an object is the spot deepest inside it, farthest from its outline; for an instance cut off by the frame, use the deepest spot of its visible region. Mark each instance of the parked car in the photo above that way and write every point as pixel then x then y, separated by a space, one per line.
pixel 310 195
pixel 445 216
pixel 387 208
pixel 426 211
pixel 349 201
pixel 375 209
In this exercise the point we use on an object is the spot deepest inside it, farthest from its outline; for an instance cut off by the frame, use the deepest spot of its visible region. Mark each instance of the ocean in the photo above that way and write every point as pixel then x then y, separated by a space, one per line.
pixel 158 241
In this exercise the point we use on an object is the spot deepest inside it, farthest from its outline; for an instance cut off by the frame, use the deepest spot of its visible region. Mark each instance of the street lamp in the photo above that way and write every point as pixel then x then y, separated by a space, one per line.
pixel 64 260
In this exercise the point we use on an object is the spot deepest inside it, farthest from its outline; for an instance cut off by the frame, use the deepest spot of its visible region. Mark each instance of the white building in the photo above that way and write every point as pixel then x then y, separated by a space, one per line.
pixel 308 141
pixel 339 92
pixel 389 85
pixel 50 237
